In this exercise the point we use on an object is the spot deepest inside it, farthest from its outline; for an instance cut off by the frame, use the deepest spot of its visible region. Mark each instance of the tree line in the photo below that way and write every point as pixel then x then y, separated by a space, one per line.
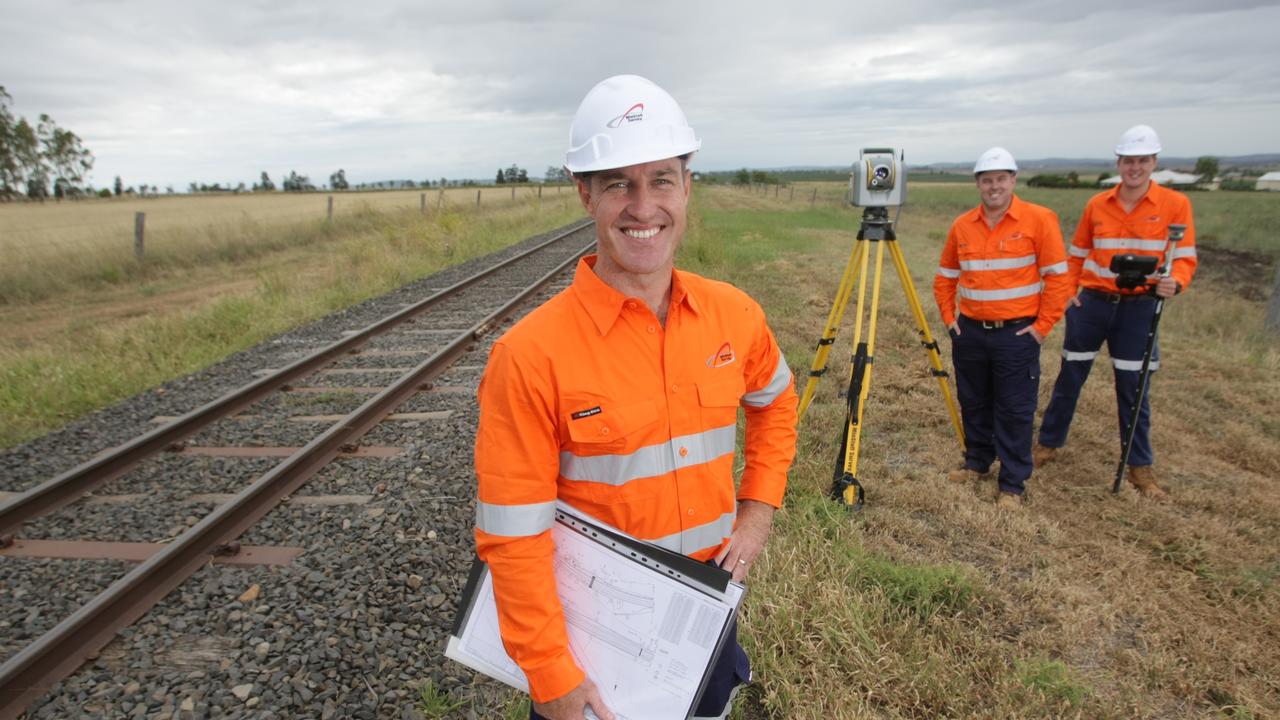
pixel 39 160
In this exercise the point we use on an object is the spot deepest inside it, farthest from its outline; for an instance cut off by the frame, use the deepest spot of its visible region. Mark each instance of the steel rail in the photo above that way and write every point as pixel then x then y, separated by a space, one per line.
pixel 68 487
pixel 56 654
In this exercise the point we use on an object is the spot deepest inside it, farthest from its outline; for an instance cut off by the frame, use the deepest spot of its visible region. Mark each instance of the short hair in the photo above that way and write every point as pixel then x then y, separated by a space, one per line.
pixel 585 177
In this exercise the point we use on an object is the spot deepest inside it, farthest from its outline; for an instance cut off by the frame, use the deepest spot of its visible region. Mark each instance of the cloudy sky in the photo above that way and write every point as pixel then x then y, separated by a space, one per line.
pixel 165 93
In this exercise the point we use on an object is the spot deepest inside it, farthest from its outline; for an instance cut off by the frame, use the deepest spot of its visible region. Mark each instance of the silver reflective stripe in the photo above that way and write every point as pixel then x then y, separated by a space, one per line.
pixel 700 537
pixel 515 520
pixel 1008 294
pixel 649 461
pixel 998 263
pixel 1055 269
pixel 1097 269
pixel 1184 252
pixel 1128 244
pixel 1078 251
pixel 1133 365
pixel 1068 355
pixel 947 272
pixel 780 381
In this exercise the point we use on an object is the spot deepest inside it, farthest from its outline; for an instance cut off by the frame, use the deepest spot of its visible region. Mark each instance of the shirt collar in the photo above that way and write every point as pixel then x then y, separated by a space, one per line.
pixel 604 303
pixel 1015 207
pixel 1152 189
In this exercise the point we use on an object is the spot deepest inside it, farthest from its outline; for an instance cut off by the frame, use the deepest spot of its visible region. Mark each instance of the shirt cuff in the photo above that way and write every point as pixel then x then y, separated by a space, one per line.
pixel 554 679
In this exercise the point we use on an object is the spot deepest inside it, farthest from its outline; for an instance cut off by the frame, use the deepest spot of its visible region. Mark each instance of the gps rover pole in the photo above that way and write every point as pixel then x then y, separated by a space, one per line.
pixel 1175 235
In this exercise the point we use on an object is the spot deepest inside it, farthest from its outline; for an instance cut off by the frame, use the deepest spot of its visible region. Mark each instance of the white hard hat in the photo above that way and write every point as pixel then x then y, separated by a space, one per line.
pixel 997 158
pixel 627 120
pixel 1139 140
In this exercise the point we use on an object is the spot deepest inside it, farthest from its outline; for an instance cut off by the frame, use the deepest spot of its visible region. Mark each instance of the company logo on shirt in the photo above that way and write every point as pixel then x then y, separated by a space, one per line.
pixel 1154 218
pixel 635 113
pixel 585 413
pixel 1016 236
pixel 722 357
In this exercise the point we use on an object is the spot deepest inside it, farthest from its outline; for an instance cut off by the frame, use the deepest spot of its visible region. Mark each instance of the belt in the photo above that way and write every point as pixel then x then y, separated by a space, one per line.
pixel 1114 298
pixel 997 324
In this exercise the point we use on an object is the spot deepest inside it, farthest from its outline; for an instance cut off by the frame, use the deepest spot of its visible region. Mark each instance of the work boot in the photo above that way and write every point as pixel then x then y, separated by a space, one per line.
pixel 1042 454
pixel 1143 478
pixel 961 476
pixel 1008 501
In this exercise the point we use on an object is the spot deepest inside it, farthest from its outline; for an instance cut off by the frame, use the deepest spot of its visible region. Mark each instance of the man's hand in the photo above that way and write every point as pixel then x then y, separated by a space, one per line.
pixel 954 327
pixel 573 705
pixel 1167 287
pixel 1034 333
pixel 749 535
pixel 1075 300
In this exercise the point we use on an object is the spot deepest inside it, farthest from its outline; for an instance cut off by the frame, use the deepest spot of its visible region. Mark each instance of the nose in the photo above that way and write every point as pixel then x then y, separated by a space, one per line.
pixel 642 204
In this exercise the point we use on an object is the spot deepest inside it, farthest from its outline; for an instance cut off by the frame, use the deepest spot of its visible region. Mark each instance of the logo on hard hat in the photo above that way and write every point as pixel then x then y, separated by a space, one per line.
pixel 635 113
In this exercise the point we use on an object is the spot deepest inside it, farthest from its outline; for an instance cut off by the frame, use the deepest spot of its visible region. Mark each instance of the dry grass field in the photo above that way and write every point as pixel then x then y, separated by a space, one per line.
pixel 83 323
pixel 929 603
pixel 53 247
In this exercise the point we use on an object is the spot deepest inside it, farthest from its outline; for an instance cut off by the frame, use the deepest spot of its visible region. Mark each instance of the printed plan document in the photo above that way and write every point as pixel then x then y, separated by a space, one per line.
pixel 644 623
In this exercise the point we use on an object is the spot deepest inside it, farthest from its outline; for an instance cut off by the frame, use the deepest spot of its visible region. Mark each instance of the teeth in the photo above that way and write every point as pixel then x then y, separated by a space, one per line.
pixel 641 234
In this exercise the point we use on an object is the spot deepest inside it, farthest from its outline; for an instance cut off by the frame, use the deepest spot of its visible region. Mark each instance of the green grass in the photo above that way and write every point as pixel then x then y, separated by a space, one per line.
pixel 435 703
pixel 1053 681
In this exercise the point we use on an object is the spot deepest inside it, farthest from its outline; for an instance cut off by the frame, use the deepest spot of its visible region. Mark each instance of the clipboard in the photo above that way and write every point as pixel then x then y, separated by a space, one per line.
pixel 645 623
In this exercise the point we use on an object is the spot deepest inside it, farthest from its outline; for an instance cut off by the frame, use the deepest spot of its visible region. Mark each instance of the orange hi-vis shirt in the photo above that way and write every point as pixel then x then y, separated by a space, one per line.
pixel 591 400
pixel 1106 230
pixel 1018 269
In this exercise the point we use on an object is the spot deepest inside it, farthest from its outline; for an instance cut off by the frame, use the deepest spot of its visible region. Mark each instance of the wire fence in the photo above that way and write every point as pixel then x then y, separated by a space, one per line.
pixel 72 224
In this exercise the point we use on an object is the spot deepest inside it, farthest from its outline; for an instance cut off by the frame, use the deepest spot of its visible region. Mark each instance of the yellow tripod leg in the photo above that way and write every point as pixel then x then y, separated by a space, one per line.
pixel 836 314
pixel 860 378
pixel 935 358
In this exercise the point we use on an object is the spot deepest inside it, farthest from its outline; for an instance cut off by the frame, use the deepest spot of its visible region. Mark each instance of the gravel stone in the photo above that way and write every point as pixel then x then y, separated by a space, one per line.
pixel 357 621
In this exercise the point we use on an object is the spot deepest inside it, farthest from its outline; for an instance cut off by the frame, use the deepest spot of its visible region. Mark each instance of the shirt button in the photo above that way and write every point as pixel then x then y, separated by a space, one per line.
pixel 631 305
pixel 690 511
pixel 604 431
pixel 674 387
pixel 652 329
pixel 684 452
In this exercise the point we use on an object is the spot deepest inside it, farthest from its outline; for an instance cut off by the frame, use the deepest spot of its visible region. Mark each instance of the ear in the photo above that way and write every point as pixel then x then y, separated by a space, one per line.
pixel 584 192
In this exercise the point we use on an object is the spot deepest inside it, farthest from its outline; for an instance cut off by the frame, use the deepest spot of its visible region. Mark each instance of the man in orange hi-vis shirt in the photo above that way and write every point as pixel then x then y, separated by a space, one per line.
pixel 1132 218
pixel 619 396
pixel 1005 262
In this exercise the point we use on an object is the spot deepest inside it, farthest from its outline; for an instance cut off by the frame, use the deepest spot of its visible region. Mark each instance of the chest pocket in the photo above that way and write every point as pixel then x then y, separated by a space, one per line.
pixel 608 426
pixel 718 401
pixel 1016 244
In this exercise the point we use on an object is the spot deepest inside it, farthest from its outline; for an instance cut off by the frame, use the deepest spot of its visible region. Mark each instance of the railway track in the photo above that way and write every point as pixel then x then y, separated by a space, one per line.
pixel 378 420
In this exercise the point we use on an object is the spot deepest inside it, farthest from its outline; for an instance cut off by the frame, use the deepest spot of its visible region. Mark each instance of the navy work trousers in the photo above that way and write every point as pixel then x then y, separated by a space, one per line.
pixel 1123 326
pixel 732 668
pixel 997 381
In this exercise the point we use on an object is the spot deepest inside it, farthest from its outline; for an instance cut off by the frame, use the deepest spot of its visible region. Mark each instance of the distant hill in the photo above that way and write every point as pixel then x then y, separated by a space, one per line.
pixel 806 172
pixel 1257 160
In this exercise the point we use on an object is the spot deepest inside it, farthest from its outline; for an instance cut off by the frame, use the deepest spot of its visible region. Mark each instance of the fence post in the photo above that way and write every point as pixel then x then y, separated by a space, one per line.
pixel 329 215
pixel 539 192
pixel 477 198
pixel 776 188
pixel 513 192
pixel 139 231
pixel 422 203
pixel 1272 320
pixel 793 193
pixel 440 199
pixel 813 199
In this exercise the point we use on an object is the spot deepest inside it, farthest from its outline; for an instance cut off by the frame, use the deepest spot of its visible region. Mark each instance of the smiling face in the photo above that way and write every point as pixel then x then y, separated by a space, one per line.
pixel 1135 170
pixel 995 187
pixel 640 220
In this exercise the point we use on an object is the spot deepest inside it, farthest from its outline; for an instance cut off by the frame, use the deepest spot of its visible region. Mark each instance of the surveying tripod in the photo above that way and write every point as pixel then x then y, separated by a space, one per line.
pixel 875 228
